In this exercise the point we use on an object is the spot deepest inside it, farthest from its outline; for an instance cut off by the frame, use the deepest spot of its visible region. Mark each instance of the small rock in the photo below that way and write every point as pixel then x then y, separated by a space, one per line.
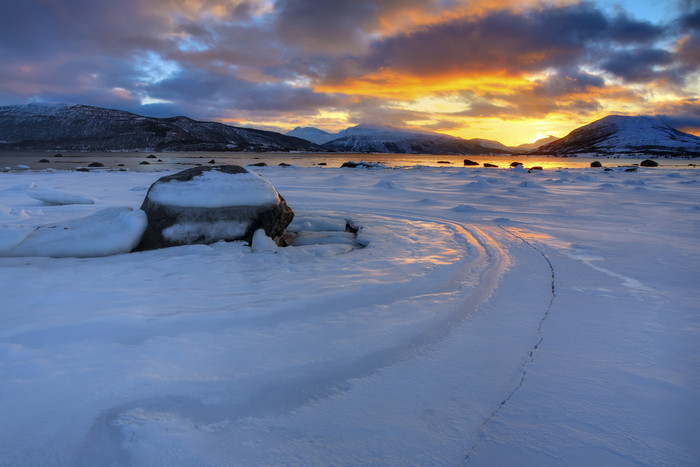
pixel 631 169
pixel 82 169
pixel 44 161
pixel 284 164
pixel 58 155
pixel 151 156
pixel 444 162
pixel 515 164
pixel 96 164
pixel 212 161
pixel 468 162
pixel 144 163
pixel 537 167
pixel 258 164
pixel 321 163
pixel 649 163
pixel 596 164
pixel 486 164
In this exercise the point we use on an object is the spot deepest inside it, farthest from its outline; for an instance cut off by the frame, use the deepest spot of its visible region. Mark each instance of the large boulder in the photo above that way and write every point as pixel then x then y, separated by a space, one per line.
pixel 208 204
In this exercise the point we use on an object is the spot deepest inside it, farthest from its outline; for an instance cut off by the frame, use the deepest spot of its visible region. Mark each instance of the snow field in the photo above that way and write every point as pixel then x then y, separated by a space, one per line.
pixel 438 343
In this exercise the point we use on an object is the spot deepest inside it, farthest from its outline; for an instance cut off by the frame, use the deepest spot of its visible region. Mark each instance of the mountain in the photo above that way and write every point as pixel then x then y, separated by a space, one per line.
pixel 369 138
pixel 625 136
pixel 34 127
pixel 312 134
pixel 530 146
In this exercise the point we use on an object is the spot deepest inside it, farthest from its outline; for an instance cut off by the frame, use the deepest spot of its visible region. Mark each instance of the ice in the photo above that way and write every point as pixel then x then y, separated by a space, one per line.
pixel 57 198
pixel 262 242
pixel 107 232
pixel 489 326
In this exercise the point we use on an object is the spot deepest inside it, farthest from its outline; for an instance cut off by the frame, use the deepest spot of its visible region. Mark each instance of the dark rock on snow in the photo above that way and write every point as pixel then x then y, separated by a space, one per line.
pixel 468 162
pixel 596 164
pixel 96 164
pixel 172 221
pixel 486 164
pixel 649 163
pixel 515 164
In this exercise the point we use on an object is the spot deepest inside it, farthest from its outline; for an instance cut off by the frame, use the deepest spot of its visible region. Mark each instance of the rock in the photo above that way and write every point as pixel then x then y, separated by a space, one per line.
pixel 596 164
pixel 631 169
pixel 44 161
pixel 209 204
pixel 608 169
pixel 366 165
pixel 144 163
pixel 486 164
pixel 468 162
pixel 649 163
pixel 96 164
pixel 258 164
pixel 151 156
pixel 284 164
pixel 82 169
pixel 322 163
pixel 537 167
pixel 58 155
pixel 515 164
pixel 212 161
pixel 444 162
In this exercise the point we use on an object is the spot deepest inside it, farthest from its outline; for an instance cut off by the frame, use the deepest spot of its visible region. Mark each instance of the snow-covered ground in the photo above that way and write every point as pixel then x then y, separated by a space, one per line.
pixel 494 317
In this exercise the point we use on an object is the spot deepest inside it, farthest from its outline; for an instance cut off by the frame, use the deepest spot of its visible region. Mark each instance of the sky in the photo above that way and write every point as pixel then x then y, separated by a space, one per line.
pixel 508 70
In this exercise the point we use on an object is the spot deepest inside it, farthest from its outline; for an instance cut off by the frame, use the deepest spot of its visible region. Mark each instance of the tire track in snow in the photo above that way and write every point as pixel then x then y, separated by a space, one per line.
pixel 531 356
pixel 487 260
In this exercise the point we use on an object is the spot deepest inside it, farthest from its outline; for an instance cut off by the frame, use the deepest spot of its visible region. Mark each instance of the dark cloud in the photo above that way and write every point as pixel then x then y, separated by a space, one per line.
pixel 684 116
pixel 691 20
pixel 509 42
pixel 639 65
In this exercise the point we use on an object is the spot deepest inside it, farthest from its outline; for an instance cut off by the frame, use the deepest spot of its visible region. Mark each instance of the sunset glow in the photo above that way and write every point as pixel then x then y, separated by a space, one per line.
pixel 503 70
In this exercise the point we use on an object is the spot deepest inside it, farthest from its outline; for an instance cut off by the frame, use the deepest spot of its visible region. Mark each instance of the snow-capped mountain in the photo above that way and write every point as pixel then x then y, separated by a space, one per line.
pixel 626 136
pixel 312 134
pixel 370 138
pixel 86 128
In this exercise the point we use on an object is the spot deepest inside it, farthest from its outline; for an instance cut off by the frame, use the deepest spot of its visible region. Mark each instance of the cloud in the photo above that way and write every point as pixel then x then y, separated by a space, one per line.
pixel 507 42
pixel 641 65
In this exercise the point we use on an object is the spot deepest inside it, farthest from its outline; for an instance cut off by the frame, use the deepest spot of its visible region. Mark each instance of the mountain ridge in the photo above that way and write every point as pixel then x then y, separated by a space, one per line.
pixel 35 127
pixel 624 136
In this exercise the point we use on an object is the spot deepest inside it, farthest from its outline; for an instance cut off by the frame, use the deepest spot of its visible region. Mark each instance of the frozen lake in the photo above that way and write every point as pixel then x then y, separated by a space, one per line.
pixel 494 317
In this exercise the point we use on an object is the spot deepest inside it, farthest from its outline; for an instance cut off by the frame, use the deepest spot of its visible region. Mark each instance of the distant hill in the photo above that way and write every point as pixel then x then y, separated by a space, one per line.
pixel 35 127
pixel 625 136
pixel 312 134
pixel 530 146
pixel 384 139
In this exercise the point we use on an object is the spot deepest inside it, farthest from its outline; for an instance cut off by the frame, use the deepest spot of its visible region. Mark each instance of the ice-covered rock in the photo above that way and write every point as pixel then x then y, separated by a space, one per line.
pixel 58 198
pixel 209 204
pixel 107 232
